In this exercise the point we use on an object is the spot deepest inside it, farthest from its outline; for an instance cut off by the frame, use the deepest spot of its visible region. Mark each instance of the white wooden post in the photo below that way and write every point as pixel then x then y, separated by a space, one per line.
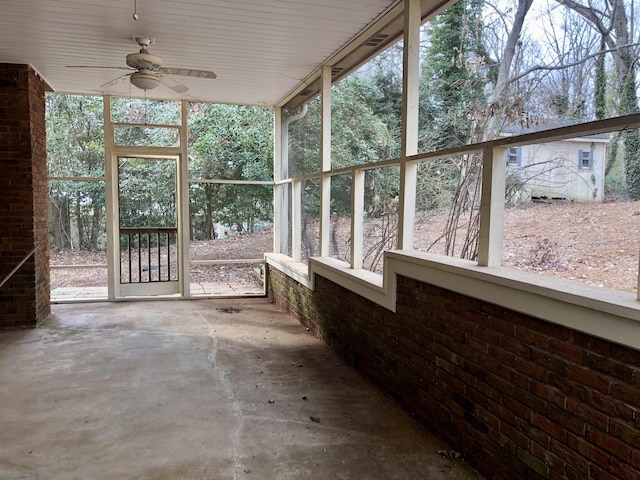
pixel 111 183
pixel 325 160
pixel 409 140
pixel 357 217
pixel 296 220
pixel 279 190
pixel 183 195
pixel 494 167
pixel 638 294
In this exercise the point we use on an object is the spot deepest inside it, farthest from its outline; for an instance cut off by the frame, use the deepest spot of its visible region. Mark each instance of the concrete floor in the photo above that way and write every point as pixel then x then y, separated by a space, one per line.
pixel 181 390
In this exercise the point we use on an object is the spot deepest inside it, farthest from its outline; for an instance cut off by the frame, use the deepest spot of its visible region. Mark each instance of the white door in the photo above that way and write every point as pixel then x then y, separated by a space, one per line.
pixel 148 219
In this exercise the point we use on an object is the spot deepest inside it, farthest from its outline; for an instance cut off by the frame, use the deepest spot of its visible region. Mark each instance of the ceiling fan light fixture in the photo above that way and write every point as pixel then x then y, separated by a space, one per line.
pixel 144 81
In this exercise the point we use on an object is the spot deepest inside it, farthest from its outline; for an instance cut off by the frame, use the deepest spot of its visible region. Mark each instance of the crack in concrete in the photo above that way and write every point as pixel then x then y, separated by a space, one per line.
pixel 212 358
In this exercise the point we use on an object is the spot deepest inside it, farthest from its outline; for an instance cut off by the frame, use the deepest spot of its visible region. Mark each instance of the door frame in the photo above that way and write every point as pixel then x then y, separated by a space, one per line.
pixel 112 152
pixel 150 288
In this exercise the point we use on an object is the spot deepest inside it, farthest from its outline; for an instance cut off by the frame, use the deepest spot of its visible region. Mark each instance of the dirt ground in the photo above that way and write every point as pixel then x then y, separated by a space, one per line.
pixel 597 244
pixel 594 243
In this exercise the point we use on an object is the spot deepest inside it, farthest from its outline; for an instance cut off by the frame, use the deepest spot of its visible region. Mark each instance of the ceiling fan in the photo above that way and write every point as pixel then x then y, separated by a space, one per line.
pixel 148 72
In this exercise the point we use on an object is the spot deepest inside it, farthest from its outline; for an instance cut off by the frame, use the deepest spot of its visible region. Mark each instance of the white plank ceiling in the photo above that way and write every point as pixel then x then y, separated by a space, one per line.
pixel 261 50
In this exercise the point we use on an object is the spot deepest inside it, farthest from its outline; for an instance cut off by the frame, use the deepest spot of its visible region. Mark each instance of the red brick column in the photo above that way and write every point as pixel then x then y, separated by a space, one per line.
pixel 24 299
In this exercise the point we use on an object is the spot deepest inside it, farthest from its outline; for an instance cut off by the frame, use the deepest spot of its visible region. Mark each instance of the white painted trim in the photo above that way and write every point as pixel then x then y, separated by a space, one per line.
pixel 601 312
pixel 111 188
pixel 231 182
pixel 325 215
pixel 394 11
pixel 279 203
pixel 325 119
pixel 182 193
pixel 147 152
pixel 77 179
pixel 296 270
pixel 84 265
pixel 146 125
pixel 296 221
pixel 407 210
pixel 149 289
pixel 411 77
pixel 491 236
pixel 409 139
pixel 179 155
pixel 227 262
pixel 357 218
pixel 325 159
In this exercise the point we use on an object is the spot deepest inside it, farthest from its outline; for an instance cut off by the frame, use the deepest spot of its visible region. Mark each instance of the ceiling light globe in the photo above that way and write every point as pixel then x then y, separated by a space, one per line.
pixel 144 81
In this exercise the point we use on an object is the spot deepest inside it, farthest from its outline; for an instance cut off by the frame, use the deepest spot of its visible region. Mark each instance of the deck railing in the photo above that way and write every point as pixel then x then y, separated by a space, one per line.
pixel 148 255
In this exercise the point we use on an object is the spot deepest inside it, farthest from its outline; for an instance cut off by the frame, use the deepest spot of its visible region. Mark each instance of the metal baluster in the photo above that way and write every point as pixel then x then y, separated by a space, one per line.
pixel 139 257
pixel 129 250
pixel 168 256
pixel 159 258
pixel 149 254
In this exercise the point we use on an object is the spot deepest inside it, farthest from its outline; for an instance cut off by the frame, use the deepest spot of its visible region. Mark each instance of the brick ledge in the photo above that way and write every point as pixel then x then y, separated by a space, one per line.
pixel 605 313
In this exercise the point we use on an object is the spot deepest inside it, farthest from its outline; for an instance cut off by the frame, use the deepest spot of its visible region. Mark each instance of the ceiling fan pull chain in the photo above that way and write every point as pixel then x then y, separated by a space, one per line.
pixel 135 10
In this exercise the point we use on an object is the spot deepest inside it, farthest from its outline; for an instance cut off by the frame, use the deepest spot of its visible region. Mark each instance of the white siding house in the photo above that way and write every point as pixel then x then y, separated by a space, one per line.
pixel 564 170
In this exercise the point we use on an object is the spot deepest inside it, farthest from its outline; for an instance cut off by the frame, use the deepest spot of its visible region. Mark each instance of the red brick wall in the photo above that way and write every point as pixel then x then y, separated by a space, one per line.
pixel 24 299
pixel 520 397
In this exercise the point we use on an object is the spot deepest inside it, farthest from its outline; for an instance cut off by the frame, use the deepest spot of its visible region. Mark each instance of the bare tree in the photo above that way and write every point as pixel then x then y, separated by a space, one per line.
pixel 499 101
pixel 464 214
pixel 610 18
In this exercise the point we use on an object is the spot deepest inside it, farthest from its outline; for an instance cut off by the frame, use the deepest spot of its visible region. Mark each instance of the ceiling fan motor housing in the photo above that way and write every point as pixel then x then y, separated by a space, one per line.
pixel 144 59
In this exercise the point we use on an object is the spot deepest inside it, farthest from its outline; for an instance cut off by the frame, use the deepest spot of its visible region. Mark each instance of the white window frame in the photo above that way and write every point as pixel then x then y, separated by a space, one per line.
pixel 585 155
pixel 514 156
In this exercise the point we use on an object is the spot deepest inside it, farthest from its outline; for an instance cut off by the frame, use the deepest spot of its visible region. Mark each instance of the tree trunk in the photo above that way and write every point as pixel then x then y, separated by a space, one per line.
pixel 600 93
pixel 499 98
pixel 80 222
pixel 470 184
pixel 96 223
pixel 208 212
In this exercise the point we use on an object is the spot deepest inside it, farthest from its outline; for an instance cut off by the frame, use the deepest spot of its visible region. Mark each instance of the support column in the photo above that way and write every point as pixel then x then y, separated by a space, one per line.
pixel 409 140
pixel 280 207
pixel 24 229
pixel 494 168
pixel 325 159
pixel 357 218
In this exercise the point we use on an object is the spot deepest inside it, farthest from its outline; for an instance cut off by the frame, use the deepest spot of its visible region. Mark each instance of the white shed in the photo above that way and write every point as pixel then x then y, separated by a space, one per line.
pixel 571 169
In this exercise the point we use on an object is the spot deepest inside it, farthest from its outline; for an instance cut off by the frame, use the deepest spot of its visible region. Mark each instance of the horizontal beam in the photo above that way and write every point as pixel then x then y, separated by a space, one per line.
pixel 232 182
pixel 227 262
pixel 587 129
pixel 145 125
pixel 61 267
pixel 77 179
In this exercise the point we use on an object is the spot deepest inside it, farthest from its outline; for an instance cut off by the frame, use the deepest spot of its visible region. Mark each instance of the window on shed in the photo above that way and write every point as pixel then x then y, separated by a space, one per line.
pixel 514 156
pixel 585 159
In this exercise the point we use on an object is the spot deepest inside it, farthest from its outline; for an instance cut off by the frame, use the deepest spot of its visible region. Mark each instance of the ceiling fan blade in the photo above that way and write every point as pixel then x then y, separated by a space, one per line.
pixel 98 66
pixel 172 84
pixel 188 72
pixel 115 80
